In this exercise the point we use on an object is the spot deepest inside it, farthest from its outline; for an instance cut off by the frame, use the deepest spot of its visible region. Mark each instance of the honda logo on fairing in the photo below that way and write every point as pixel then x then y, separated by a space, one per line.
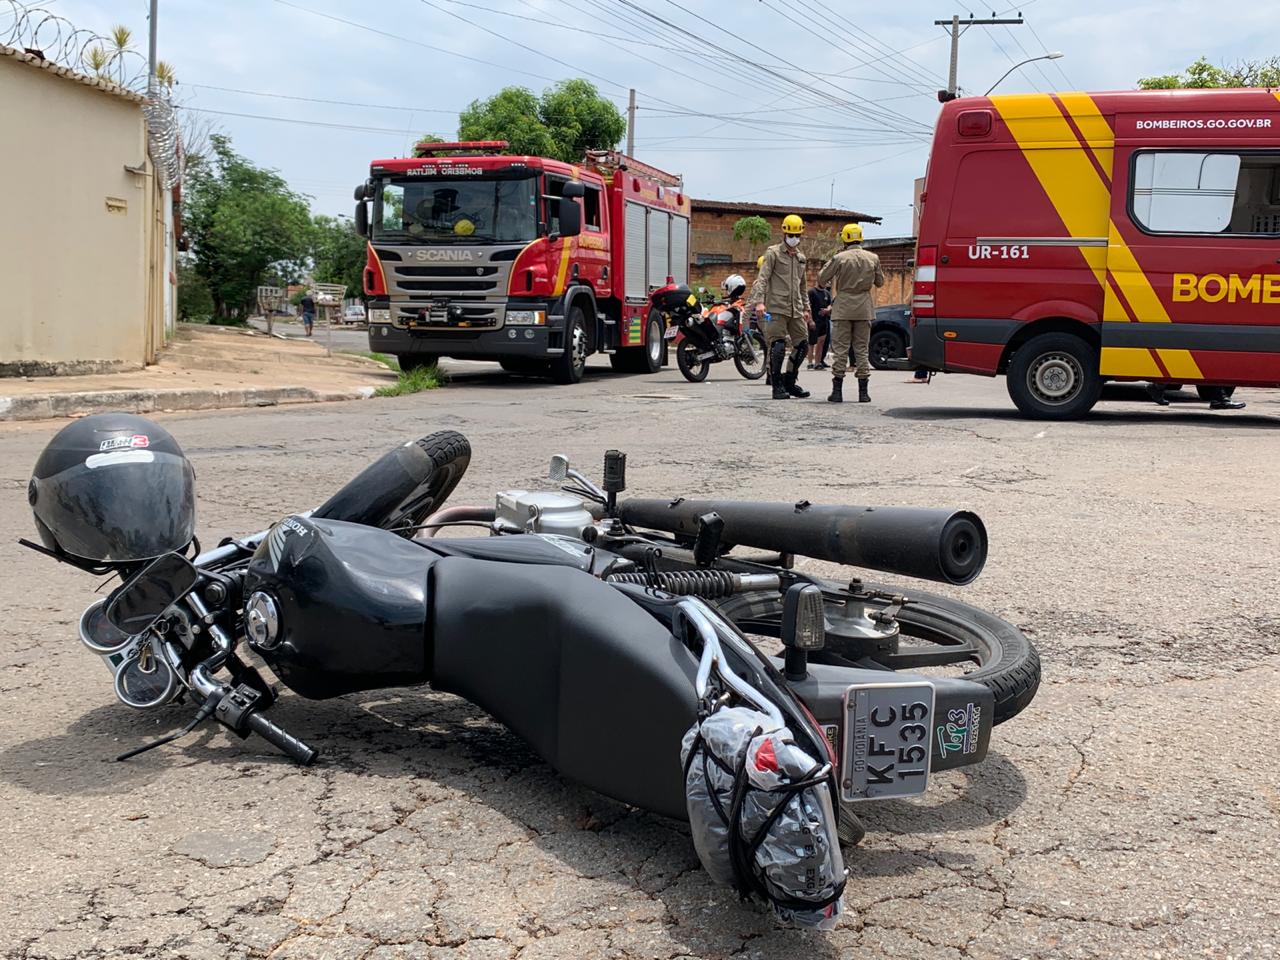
pixel 445 255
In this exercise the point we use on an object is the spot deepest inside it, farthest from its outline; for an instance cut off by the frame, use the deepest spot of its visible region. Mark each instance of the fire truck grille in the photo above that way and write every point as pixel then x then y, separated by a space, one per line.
pixel 469 294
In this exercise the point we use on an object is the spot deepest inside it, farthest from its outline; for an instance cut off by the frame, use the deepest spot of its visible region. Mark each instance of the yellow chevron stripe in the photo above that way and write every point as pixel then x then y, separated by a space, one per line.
pixel 1129 362
pixel 1180 364
pixel 563 272
pixel 1098 136
pixel 1066 174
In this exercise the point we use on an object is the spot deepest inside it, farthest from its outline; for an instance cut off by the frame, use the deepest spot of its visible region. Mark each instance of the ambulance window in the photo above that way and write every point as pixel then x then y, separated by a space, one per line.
pixel 1174 192
pixel 591 209
pixel 1257 199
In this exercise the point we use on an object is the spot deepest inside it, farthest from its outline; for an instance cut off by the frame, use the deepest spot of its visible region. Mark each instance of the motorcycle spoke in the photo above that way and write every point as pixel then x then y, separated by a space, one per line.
pixel 934 655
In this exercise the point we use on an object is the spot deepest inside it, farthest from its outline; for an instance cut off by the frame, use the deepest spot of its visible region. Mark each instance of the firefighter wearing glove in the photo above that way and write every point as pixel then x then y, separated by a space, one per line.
pixel 852 273
pixel 780 289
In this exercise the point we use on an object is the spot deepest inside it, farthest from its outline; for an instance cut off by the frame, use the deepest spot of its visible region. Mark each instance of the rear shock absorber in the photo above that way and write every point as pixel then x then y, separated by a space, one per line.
pixel 706 584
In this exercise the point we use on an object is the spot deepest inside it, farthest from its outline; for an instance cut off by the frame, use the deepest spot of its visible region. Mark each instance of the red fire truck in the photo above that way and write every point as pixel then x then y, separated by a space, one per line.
pixel 1069 239
pixel 529 261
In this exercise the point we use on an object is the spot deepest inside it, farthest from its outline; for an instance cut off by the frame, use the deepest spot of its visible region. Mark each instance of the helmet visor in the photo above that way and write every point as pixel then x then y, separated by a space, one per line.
pixel 120 506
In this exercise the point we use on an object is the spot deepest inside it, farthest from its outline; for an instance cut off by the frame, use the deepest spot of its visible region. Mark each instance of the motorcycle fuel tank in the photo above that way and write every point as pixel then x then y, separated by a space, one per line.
pixel 336 607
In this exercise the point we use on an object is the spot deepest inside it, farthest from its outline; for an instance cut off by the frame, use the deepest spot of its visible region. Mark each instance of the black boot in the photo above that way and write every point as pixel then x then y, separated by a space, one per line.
pixel 863 395
pixel 1156 392
pixel 837 390
pixel 1226 403
pixel 789 381
pixel 777 354
pixel 793 388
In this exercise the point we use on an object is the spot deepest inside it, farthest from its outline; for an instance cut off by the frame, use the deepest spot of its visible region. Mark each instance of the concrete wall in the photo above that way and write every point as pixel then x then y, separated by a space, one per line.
pixel 79 283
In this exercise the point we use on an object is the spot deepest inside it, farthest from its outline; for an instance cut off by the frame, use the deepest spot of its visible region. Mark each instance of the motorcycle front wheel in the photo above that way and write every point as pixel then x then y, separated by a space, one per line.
pixel 749 355
pixel 693 369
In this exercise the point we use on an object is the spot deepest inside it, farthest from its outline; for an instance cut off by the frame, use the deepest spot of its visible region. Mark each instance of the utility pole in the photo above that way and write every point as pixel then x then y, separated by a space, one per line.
pixel 954 25
pixel 631 122
pixel 151 49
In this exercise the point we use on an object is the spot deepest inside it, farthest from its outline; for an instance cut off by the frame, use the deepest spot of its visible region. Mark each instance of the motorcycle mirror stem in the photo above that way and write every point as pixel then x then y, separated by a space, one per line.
pixel 803 628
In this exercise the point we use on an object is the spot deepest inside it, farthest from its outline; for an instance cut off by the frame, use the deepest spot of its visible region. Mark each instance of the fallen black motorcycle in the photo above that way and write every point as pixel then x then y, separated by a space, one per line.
pixel 664 652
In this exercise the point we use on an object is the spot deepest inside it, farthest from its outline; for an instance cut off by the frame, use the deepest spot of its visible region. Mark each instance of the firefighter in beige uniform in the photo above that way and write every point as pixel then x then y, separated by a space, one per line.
pixel 780 289
pixel 852 273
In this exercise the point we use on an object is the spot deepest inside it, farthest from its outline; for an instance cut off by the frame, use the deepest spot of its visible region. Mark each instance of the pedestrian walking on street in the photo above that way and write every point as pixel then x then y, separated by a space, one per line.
pixel 852 273
pixel 780 290
pixel 308 312
pixel 820 311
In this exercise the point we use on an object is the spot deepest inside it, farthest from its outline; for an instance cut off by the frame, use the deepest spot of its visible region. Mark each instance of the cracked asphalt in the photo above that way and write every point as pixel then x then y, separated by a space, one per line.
pixel 1131 811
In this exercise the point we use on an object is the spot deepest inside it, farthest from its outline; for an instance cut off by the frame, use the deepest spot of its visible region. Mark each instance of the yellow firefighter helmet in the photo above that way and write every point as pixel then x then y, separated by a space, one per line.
pixel 852 233
pixel 792 225
pixel 464 228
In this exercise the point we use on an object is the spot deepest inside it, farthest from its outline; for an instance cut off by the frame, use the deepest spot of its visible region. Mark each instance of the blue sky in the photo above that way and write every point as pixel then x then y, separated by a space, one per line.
pixel 844 90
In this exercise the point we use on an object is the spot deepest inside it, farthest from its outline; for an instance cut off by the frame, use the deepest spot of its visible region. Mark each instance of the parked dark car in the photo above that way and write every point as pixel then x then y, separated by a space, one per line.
pixel 890 335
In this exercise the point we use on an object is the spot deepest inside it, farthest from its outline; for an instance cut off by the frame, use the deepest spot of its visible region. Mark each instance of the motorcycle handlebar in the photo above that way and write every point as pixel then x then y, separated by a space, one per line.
pixel 282 740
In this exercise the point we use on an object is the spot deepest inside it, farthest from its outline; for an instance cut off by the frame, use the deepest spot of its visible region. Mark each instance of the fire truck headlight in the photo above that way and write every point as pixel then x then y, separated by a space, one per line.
pixel 536 318
pixel 379 316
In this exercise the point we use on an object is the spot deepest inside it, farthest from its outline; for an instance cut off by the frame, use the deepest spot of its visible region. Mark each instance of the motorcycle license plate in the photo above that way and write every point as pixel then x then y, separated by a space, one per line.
pixel 886 745
pixel 671 333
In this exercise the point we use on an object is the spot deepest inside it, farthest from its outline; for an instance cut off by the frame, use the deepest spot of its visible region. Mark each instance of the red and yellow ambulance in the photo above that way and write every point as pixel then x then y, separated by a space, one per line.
pixel 1069 239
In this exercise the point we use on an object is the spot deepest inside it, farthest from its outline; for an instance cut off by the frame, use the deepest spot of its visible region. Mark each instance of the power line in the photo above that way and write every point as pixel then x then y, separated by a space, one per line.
pixel 1056 63
pixel 909 72
pixel 399 132
pixel 925 72
pixel 341 103
pixel 827 176
pixel 416 43
pixel 879 116
pixel 1026 53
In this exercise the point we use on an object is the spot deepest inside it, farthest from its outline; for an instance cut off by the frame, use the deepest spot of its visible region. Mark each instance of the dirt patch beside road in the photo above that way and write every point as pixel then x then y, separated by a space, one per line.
pixel 1131 811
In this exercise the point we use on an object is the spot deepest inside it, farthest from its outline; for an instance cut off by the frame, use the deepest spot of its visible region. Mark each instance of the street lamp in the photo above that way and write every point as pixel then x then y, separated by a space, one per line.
pixel 1055 55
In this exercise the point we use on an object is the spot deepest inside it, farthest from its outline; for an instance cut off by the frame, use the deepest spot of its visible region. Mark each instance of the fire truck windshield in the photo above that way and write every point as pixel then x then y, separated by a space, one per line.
pixel 457 210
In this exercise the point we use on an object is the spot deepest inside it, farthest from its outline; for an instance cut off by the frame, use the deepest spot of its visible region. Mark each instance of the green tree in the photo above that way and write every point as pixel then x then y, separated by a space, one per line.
pixel 338 254
pixel 195 305
pixel 1202 75
pixel 566 121
pixel 242 222
pixel 754 230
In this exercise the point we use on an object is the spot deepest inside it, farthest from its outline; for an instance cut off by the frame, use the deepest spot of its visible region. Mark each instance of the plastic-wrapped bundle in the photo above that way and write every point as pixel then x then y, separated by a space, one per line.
pixel 761 815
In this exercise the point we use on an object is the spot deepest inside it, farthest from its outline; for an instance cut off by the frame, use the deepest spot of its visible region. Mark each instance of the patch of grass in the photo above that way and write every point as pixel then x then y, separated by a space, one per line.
pixel 385 359
pixel 414 381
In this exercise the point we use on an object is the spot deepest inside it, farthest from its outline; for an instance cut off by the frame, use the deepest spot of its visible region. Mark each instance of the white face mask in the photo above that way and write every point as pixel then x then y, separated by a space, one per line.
pixel 792 241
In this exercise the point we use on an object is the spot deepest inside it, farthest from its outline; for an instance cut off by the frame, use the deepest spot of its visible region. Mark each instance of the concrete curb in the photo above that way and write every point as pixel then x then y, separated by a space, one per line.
pixel 54 405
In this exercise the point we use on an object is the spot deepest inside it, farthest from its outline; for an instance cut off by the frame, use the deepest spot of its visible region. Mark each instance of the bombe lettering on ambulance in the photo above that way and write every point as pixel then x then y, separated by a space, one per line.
pixel 985 251
pixel 1215 287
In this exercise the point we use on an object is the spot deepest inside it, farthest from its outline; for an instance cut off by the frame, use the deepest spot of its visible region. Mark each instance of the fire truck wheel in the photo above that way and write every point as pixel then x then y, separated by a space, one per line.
pixel 646 359
pixel 1054 377
pixel 570 365
pixel 412 361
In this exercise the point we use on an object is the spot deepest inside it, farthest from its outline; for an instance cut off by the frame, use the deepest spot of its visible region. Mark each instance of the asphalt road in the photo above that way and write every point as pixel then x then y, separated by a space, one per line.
pixel 1131 811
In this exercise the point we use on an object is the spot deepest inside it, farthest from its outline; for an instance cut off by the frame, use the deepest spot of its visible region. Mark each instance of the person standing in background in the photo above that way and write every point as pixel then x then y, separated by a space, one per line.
pixel 852 273
pixel 820 311
pixel 308 311
pixel 780 290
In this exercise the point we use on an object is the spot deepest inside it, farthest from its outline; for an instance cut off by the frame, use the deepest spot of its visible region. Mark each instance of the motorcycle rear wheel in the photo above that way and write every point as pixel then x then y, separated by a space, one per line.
pixel 935 632
pixel 750 355
pixel 404 486
pixel 693 369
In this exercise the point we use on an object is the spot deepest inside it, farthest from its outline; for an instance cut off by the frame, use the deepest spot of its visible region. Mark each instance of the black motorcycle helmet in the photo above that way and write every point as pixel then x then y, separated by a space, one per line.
pixel 113 488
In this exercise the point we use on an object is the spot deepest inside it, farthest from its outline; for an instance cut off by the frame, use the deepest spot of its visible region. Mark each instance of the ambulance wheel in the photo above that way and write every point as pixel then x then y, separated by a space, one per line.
pixel 1054 377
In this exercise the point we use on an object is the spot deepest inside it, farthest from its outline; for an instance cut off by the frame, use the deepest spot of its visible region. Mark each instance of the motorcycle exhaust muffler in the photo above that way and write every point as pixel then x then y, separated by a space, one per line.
pixel 949 546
